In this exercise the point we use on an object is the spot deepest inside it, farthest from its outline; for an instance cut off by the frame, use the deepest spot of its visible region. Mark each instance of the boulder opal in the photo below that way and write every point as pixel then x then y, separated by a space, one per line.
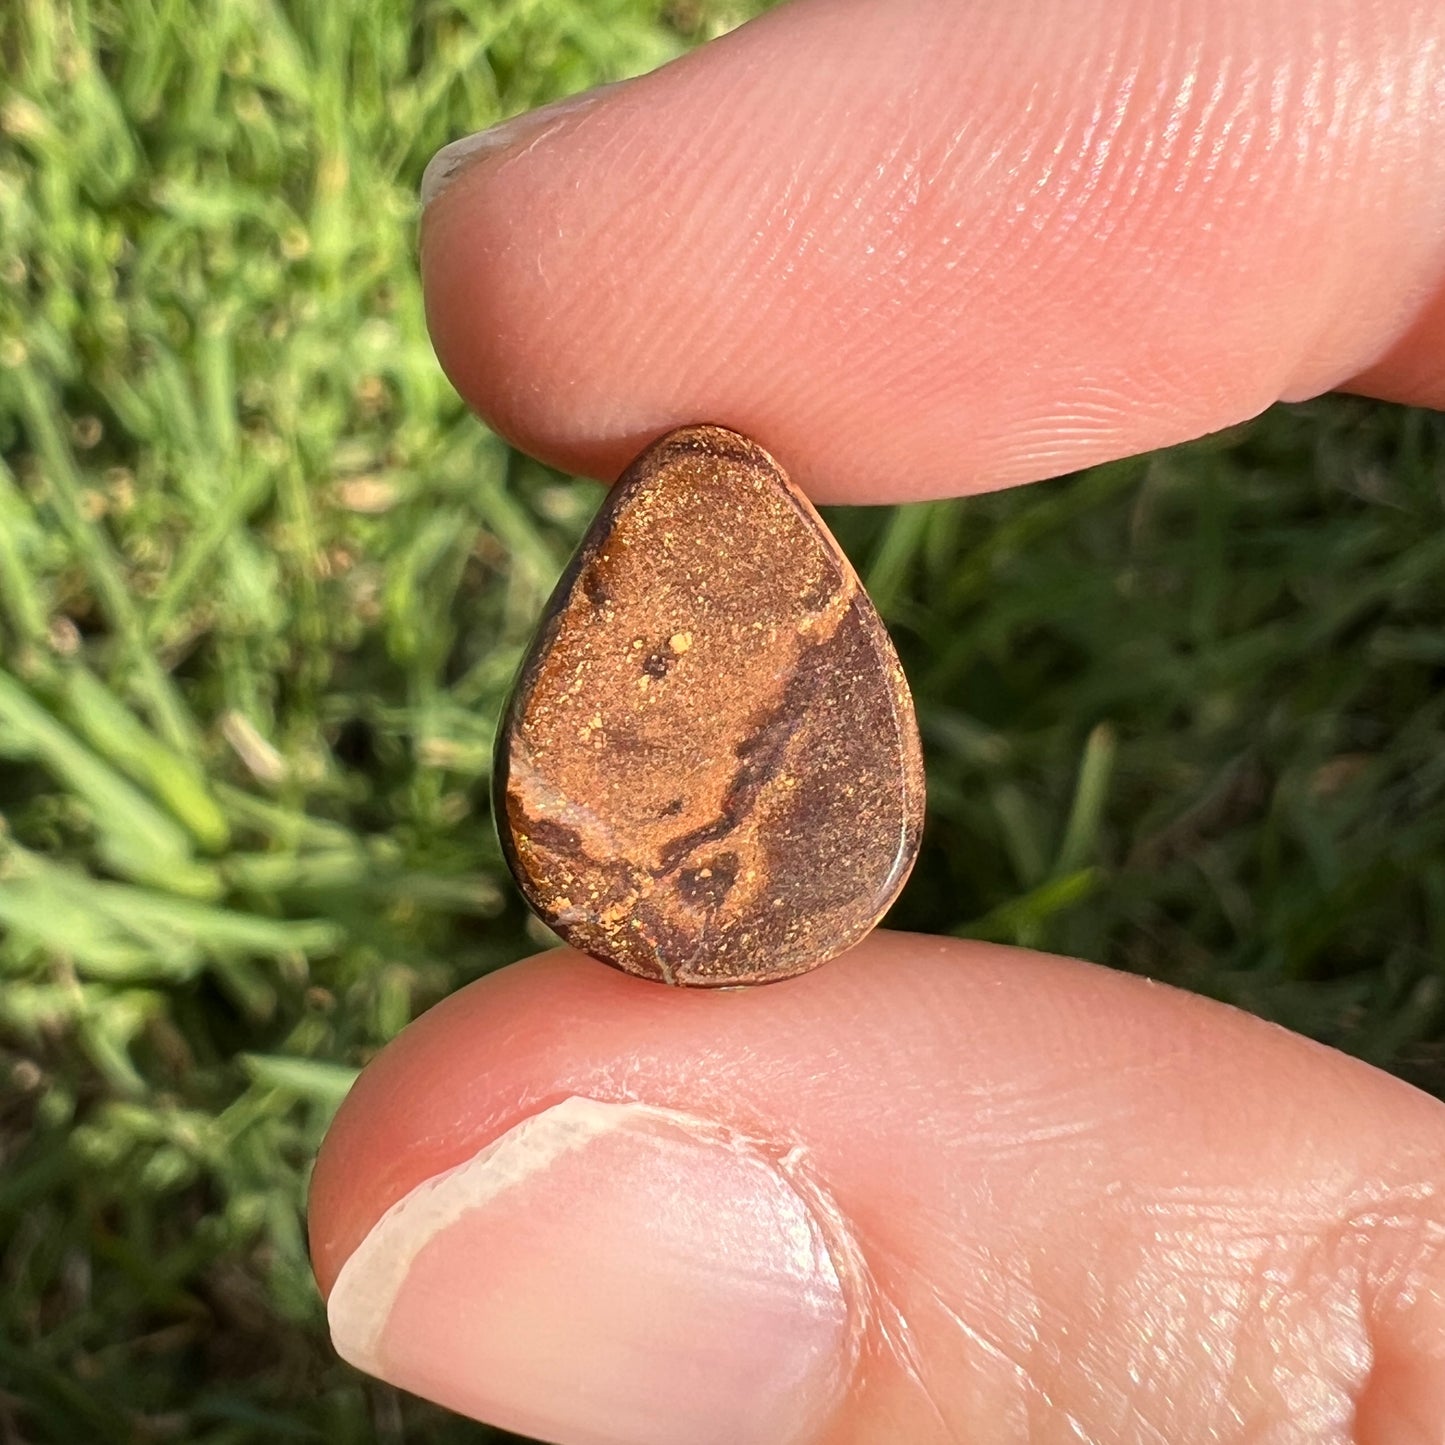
pixel 708 772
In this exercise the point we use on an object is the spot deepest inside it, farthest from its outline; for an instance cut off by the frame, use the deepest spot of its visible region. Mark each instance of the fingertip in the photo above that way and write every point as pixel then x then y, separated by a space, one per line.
pixel 1412 370
pixel 515 252
pixel 937 250
pixel 606 1273
pixel 440 1091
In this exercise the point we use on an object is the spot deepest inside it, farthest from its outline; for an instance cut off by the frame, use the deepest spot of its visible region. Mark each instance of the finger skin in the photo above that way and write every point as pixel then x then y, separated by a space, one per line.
pixel 928 247
pixel 1413 369
pixel 1087 1206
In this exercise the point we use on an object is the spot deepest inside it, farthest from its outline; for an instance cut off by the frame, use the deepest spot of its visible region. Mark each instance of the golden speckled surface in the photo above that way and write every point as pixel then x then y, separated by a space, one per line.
pixel 709 772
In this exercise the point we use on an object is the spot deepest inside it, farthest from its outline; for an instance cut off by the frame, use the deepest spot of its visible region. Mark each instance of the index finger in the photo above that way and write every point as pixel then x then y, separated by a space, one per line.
pixel 926 247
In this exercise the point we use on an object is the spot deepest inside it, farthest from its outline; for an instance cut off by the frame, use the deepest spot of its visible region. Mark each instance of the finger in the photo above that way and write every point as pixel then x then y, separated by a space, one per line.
pixel 933 1191
pixel 925 247
pixel 1413 368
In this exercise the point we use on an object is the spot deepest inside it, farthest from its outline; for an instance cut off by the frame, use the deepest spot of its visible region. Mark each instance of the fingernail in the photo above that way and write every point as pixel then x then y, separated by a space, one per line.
pixel 607 1274
pixel 451 160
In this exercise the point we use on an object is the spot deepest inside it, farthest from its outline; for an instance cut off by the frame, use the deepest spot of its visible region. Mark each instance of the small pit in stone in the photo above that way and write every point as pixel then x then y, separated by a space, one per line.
pixel 707 885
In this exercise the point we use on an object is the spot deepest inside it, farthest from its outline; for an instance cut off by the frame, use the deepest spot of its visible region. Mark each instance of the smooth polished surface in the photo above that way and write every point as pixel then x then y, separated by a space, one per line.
pixel 709 772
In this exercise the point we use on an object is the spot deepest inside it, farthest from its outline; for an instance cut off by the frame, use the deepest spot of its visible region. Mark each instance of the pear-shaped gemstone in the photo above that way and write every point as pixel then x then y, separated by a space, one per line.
pixel 709 770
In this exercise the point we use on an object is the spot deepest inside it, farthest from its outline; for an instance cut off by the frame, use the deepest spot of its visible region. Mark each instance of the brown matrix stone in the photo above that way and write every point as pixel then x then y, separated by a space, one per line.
pixel 709 770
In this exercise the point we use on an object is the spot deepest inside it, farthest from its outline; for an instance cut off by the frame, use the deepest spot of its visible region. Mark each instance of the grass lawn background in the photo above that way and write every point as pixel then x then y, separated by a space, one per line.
pixel 262 586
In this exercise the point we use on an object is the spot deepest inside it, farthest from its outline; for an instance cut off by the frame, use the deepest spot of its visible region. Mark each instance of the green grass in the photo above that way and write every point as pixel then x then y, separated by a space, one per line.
pixel 263 583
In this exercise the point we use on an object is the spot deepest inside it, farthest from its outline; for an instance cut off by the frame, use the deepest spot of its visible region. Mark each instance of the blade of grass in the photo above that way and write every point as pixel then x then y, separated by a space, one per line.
pixel 135 836
pixel 1021 920
pixel 112 591
pixel 1091 790
pixel 113 731
pixel 19 595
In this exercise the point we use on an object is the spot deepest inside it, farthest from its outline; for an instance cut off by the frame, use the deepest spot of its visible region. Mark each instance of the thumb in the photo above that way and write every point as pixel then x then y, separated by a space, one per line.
pixel 933 1191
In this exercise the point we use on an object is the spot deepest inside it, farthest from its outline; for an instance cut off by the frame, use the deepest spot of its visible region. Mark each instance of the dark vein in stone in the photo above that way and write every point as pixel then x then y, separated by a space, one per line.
pixel 760 755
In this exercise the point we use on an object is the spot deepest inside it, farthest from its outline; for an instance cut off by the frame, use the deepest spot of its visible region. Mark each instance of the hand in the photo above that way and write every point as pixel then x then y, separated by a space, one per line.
pixel 934 1191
